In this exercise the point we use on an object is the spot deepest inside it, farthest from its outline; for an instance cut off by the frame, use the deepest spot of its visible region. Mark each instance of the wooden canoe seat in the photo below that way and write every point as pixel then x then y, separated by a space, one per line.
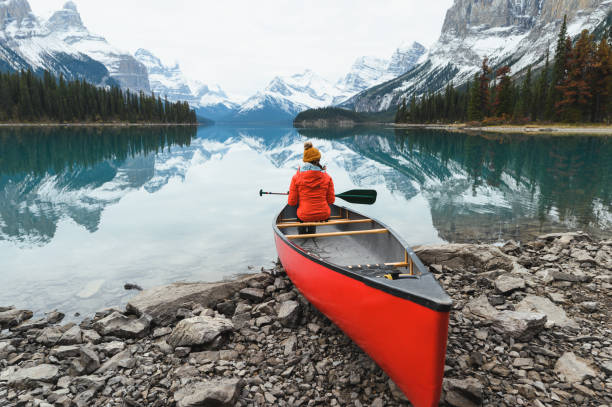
pixel 334 234
pixel 330 223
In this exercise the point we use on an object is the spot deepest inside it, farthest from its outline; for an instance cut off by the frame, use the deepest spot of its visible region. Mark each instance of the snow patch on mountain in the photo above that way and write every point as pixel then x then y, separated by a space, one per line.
pixel 170 81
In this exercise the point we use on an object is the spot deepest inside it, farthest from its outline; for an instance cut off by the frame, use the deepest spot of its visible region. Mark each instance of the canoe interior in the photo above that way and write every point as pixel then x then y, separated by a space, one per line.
pixel 353 250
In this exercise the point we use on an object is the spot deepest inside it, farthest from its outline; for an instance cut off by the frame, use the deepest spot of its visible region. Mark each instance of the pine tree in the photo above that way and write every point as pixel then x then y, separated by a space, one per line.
pixel 559 70
pixel 503 93
pixel 574 93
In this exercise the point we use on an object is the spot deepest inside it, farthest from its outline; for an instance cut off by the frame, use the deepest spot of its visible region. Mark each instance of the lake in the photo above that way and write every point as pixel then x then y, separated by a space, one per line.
pixel 85 210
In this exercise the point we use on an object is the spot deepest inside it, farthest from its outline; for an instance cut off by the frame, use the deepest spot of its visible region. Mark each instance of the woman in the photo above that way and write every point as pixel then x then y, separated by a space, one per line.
pixel 312 189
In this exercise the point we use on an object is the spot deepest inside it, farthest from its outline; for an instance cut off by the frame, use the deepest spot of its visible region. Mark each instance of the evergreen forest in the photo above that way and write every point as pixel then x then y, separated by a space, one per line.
pixel 28 98
pixel 575 87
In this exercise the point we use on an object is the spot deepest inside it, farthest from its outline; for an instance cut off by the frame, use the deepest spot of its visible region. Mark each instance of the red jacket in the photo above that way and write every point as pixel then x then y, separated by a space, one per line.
pixel 313 190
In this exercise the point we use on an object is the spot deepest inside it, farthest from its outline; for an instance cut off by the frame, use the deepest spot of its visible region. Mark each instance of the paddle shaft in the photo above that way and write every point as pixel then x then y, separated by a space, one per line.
pixel 359 196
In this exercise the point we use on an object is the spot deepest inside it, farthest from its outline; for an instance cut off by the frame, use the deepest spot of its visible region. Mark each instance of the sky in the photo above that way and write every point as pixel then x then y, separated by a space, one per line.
pixel 242 44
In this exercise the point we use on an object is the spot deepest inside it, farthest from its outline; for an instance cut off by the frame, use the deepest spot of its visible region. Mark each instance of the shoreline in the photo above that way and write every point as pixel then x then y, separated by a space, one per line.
pixel 256 340
pixel 99 124
pixel 554 129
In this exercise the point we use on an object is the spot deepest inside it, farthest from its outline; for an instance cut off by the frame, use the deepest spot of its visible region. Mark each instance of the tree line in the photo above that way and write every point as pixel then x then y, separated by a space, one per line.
pixel 54 150
pixel 26 97
pixel 575 87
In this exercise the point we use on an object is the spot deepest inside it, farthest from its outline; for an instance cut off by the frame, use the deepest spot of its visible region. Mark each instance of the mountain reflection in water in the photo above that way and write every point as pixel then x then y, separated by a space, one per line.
pixel 83 211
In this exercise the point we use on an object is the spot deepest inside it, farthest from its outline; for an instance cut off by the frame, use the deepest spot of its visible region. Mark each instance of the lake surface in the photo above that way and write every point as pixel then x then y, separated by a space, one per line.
pixel 83 211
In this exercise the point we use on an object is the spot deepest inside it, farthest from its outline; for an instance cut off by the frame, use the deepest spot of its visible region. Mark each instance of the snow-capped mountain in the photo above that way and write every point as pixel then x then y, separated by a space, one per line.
pixel 286 96
pixel 516 33
pixel 63 45
pixel 66 25
pixel 27 43
pixel 209 101
pixel 370 71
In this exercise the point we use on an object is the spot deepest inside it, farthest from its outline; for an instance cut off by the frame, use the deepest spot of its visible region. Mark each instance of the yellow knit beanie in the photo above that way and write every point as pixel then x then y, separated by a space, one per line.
pixel 310 153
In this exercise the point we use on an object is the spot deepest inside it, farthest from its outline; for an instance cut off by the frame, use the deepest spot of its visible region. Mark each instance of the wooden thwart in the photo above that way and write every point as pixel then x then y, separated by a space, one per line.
pixel 330 223
pixel 332 234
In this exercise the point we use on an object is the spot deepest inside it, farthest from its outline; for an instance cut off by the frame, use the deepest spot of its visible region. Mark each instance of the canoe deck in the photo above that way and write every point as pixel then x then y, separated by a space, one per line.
pixel 348 250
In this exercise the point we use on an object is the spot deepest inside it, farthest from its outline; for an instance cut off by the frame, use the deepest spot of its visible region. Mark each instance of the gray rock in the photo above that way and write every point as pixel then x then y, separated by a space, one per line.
pixel 14 317
pixel 555 315
pixel 63 352
pixel 119 325
pixel 261 321
pixel 289 345
pixel 162 331
pixel 91 336
pixel 84 399
pixel 26 326
pixel 89 359
pixel 252 294
pixel 465 257
pixel 480 307
pixel 463 393
pixel 6 349
pixel 200 330
pixel 574 369
pixel 289 313
pixel 29 376
pixel 122 359
pixel 54 317
pixel 506 284
pixel 582 256
pixel 49 336
pixel 72 336
pixel 519 325
pixel 590 306
pixel 161 303
pixel 218 393
pixel 111 348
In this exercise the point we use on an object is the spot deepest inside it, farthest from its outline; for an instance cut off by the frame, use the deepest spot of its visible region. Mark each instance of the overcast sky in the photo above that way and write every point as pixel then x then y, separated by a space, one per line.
pixel 242 44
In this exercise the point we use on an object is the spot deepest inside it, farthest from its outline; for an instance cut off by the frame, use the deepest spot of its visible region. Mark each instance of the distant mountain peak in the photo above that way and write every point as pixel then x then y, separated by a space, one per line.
pixel 69 5
pixel 66 19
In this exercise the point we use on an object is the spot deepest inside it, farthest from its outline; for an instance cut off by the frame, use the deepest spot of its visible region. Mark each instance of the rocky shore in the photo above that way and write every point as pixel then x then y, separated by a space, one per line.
pixel 530 326
pixel 593 130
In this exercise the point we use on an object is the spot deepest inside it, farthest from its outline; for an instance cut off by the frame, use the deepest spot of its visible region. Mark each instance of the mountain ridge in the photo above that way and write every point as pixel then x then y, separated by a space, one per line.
pixel 513 33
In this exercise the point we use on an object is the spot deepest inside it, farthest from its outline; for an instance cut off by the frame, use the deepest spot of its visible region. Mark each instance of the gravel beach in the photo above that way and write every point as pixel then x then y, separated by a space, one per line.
pixel 530 326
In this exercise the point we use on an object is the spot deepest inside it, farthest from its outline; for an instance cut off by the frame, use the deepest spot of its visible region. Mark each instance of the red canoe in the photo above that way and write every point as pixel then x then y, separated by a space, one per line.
pixel 371 284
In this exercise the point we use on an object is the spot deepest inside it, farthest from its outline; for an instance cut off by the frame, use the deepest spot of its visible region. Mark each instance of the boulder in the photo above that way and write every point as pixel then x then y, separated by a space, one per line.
pixel 63 352
pixel 522 326
pixel 218 393
pixel 162 303
pixel 72 336
pixel 199 331
pixel 6 349
pixel 119 325
pixel 29 376
pixel 465 257
pixel 480 307
pixel 574 369
pixel 50 336
pixel 14 317
pixel 463 393
pixel 111 348
pixel 89 359
pixel 122 359
pixel 555 315
pixel 506 284
pixel 253 294
pixel 289 313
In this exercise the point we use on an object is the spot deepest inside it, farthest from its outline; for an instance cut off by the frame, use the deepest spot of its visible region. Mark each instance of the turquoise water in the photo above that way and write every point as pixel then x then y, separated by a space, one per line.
pixel 83 211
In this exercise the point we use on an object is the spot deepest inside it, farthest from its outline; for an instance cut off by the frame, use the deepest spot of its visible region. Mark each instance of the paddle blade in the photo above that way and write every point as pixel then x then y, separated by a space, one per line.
pixel 359 196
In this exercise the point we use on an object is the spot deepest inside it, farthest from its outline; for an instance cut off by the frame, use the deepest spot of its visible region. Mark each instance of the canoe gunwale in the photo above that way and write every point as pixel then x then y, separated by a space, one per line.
pixel 385 286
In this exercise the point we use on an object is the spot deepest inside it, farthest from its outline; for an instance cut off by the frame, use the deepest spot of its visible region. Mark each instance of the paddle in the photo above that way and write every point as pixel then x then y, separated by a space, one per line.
pixel 356 196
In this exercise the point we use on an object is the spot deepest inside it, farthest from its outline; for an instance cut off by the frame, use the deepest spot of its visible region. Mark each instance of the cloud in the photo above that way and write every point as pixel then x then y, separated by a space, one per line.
pixel 243 44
